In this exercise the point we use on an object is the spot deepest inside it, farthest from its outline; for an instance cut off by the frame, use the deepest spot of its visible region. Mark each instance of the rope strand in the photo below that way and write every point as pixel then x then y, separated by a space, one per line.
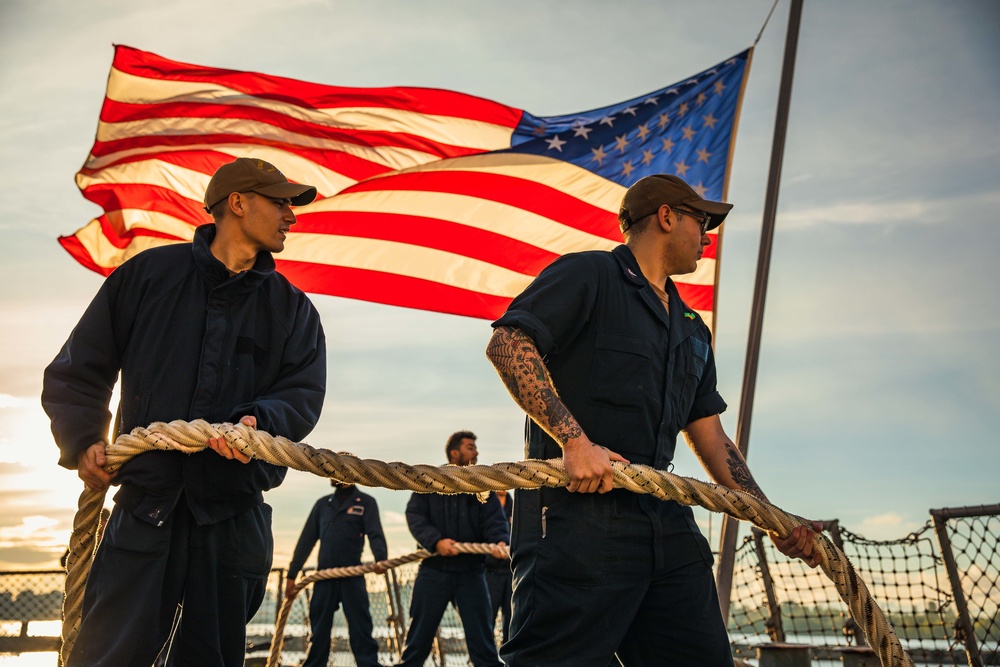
pixel 190 437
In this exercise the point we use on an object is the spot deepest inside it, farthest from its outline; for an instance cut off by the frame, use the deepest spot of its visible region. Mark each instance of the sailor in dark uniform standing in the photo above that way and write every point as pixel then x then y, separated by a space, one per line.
pixel 340 522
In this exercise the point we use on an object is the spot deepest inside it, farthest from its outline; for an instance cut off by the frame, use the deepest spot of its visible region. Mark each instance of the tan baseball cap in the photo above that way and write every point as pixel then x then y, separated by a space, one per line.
pixel 246 174
pixel 649 193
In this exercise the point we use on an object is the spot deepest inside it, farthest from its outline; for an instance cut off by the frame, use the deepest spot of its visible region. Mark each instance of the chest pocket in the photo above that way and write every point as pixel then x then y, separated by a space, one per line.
pixel 620 373
pixel 246 345
pixel 694 368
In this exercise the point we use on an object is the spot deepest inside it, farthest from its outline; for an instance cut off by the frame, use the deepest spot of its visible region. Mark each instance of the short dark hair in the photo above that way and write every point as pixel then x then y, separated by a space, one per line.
pixel 218 210
pixel 639 227
pixel 455 441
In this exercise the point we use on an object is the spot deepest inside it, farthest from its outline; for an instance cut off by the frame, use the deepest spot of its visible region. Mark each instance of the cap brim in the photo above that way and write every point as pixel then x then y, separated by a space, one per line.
pixel 718 210
pixel 299 194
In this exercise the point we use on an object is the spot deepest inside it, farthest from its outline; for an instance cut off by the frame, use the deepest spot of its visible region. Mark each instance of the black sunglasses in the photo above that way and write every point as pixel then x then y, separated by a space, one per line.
pixel 703 219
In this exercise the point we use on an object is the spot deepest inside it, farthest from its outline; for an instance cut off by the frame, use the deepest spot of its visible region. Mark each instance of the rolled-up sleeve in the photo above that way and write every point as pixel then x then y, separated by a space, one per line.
pixel 553 309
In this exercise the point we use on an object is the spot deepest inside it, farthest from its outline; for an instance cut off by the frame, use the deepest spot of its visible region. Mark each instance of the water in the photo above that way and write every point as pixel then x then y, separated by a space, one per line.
pixel 35 629
pixel 30 660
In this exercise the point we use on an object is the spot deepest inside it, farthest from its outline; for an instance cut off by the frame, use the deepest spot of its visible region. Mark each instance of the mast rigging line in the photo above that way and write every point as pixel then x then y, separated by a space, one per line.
pixel 759 34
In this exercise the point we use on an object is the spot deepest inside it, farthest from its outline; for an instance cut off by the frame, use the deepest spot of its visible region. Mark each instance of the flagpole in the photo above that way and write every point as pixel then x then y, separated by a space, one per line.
pixel 727 543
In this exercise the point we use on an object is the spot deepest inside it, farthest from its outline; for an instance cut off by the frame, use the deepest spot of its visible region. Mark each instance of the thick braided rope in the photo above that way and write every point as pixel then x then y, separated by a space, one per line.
pixel 82 543
pixel 278 640
pixel 191 436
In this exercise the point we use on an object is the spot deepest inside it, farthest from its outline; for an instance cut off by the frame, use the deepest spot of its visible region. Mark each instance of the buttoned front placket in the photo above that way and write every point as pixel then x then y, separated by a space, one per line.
pixel 213 345
pixel 670 332
pixel 681 328
pixel 663 329
pixel 673 329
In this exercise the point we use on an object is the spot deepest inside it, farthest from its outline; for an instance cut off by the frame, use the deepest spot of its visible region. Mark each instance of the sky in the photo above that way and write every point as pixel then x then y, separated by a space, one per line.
pixel 878 388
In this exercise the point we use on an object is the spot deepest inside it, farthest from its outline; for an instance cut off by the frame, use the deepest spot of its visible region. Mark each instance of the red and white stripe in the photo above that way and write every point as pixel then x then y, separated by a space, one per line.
pixel 413 210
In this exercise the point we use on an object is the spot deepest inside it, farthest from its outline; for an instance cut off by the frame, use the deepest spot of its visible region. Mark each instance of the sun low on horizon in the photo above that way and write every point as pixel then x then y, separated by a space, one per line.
pixel 39 497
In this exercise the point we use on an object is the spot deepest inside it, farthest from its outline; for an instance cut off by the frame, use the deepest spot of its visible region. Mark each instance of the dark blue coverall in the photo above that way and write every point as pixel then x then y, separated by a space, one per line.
pixel 596 574
pixel 191 342
pixel 340 522
pixel 459 579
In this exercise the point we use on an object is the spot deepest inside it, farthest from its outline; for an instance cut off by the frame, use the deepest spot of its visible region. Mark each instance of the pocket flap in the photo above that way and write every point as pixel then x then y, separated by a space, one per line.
pixel 619 342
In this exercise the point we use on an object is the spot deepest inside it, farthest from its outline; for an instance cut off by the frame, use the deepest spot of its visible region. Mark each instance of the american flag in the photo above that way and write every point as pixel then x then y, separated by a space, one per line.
pixel 428 198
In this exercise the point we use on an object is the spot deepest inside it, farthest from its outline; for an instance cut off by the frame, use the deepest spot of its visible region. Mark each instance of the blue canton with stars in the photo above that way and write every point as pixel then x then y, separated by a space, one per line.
pixel 684 129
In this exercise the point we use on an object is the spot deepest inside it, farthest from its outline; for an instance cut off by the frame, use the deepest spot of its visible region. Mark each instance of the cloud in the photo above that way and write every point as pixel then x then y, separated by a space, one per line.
pixel 858 213
pixel 925 210
pixel 30 556
pixel 391 518
pixel 880 521
pixel 7 402
pixel 17 504
pixel 12 468
pixel 36 539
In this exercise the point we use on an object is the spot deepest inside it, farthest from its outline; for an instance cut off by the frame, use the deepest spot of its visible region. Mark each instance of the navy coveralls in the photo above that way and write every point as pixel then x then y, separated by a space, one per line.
pixel 190 342
pixel 596 574
pixel 340 522
pixel 459 579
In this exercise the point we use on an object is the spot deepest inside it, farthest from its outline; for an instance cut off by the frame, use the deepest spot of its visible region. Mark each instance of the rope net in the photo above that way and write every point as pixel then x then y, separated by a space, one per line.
pixel 975 544
pixel 906 575
pixel 190 437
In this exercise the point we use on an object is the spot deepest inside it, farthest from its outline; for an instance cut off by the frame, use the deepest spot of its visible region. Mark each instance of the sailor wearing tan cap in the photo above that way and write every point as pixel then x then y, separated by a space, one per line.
pixel 202 330
pixel 610 365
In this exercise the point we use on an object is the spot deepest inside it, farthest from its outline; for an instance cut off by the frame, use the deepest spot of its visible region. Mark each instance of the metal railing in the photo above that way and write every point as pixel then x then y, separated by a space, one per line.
pixel 31 609
pixel 939 587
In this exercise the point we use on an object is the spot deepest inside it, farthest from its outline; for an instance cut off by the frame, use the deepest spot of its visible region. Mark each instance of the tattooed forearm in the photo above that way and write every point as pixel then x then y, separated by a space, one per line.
pixel 741 473
pixel 526 377
pixel 561 424
pixel 502 353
